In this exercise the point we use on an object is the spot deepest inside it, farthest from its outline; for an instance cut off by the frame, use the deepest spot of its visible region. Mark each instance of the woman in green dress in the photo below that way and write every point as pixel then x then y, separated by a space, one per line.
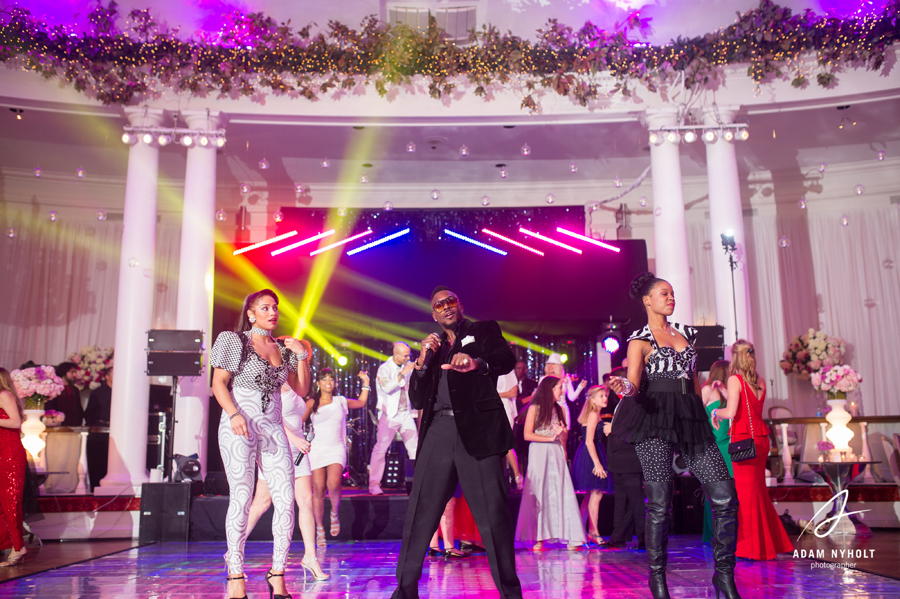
pixel 714 396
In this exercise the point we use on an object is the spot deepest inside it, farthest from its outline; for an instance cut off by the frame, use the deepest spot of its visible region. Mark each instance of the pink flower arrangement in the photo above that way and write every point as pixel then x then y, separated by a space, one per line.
pixel 825 445
pixel 837 379
pixel 812 352
pixel 92 360
pixel 37 385
pixel 53 418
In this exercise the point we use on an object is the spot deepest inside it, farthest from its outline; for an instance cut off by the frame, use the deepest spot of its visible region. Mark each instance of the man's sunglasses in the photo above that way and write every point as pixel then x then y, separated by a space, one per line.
pixel 448 302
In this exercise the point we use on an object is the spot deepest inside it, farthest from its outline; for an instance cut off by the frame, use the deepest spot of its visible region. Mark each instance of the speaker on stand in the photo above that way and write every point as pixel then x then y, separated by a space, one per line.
pixel 173 353
pixel 710 346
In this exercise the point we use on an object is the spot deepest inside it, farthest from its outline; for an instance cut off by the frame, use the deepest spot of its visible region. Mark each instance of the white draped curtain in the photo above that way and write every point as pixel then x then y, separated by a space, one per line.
pixel 844 280
pixel 60 281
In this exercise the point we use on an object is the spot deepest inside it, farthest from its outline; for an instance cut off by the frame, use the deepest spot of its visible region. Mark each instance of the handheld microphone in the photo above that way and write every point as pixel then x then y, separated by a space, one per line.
pixel 429 353
pixel 309 437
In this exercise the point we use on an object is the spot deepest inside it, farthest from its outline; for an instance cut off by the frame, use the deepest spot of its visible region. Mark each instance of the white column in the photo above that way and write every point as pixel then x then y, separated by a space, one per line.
pixel 787 459
pixel 127 468
pixel 726 212
pixel 669 229
pixel 195 285
pixel 83 488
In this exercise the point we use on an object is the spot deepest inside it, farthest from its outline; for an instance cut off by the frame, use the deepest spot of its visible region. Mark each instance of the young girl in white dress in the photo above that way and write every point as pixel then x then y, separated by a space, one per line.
pixel 549 509
pixel 328 451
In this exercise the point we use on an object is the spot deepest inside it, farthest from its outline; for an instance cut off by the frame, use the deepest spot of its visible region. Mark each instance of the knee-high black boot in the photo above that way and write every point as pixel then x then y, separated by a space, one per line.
pixel 659 507
pixel 723 498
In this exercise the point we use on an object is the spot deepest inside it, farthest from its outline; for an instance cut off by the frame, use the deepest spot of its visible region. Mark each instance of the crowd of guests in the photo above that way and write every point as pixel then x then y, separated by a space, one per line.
pixel 631 426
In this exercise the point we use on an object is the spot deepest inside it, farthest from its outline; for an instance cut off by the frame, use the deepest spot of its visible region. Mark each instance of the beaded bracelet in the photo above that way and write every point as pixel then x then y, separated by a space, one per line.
pixel 233 415
pixel 367 388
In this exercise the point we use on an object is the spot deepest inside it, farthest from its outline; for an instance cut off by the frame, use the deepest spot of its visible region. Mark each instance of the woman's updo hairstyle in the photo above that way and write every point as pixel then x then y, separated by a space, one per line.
pixel 642 284
pixel 250 301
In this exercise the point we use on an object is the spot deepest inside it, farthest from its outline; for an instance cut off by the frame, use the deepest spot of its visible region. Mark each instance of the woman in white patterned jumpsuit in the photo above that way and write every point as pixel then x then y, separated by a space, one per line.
pixel 250 367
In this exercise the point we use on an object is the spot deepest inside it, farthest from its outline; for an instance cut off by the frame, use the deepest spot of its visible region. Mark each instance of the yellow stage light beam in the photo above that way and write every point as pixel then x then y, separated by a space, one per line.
pixel 360 349
pixel 319 339
pixel 325 263
pixel 380 289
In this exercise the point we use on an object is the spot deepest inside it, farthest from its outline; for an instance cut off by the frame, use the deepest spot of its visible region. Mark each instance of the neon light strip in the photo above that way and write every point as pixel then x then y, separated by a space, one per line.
pixel 588 239
pixel 548 240
pixel 378 242
pixel 304 242
pixel 341 242
pixel 515 243
pixel 474 242
pixel 266 242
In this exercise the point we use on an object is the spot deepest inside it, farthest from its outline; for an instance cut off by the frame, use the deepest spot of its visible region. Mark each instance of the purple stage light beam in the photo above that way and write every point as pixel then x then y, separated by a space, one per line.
pixel 378 242
pixel 549 240
pixel 490 248
pixel 588 239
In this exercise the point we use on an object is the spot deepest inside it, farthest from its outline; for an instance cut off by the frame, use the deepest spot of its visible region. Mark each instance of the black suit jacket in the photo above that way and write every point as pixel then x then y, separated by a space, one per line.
pixel 620 455
pixel 480 416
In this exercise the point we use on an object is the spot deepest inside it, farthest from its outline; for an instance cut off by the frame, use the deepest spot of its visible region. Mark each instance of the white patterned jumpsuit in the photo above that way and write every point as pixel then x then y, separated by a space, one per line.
pixel 256 392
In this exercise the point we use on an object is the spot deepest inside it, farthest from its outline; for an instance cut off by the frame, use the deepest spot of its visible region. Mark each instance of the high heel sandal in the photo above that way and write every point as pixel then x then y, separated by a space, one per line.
pixel 15 559
pixel 306 566
pixel 272 594
pixel 335 525
pixel 241 577
pixel 320 537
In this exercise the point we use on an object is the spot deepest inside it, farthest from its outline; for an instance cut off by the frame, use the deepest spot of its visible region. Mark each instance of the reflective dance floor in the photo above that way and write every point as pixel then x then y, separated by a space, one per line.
pixel 366 569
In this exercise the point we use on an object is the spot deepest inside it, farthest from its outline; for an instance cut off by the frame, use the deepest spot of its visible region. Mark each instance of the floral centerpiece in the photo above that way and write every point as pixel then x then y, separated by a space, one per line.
pixel 53 418
pixel 92 360
pixel 837 381
pixel 37 385
pixel 812 352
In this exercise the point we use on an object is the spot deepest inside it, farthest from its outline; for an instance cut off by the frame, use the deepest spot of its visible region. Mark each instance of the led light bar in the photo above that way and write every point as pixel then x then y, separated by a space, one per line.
pixel 266 242
pixel 548 240
pixel 304 242
pixel 588 239
pixel 512 241
pixel 474 242
pixel 341 242
pixel 378 242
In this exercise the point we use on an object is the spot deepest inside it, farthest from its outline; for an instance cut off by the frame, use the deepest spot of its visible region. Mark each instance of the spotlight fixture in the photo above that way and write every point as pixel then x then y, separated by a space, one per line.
pixel 147 138
pixel 164 139
pixel 204 140
pixel 710 136
pixel 128 138
pixel 18 112
pixel 690 137
pixel 743 135
pixel 672 137
pixel 342 360
pixel 187 141
pixel 611 340
pixel 220 141
pixel 656 138
pixel 728 240
pixel 728 135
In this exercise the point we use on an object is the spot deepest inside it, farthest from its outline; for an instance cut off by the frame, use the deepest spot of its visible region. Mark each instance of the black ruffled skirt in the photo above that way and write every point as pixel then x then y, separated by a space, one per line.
pixel 670 410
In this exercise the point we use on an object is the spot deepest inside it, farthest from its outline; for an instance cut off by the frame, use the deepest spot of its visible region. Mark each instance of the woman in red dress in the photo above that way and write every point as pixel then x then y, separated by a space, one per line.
pixel 761 535
pixel 12 472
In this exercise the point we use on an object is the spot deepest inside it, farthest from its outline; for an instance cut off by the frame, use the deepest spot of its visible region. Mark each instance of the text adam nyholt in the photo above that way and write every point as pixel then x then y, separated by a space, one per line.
pixel 834 553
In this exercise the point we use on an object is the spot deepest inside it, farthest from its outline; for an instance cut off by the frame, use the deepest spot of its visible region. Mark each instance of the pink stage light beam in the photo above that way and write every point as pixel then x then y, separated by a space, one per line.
pixel 266 242
pixel 288 248
pixel 341 242
pixel 512 241
pixel 588 239
pixel 548 240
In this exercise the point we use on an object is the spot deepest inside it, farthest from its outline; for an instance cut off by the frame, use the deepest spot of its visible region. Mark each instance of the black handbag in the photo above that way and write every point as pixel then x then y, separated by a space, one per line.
pixel 746 449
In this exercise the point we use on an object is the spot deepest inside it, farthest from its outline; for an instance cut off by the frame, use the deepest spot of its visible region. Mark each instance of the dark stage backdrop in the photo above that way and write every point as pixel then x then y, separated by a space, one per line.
pixel 561 293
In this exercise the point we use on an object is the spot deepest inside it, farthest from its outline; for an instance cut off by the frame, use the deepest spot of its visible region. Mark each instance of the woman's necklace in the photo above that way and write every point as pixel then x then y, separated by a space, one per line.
pixel 668 329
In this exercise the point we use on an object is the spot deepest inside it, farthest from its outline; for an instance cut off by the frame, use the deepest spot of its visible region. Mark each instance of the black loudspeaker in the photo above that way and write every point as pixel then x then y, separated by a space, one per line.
pixel 174 353
pixel 216 483
pixel 687 506
pixel 166 511
pixel 710 345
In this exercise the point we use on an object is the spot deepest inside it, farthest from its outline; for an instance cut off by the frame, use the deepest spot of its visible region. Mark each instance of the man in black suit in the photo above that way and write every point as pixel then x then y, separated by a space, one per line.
pixel 622 461
pixel 463 434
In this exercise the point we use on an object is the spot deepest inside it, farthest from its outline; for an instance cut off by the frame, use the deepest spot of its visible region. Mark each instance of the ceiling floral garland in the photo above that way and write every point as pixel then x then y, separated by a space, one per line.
pixel 252 55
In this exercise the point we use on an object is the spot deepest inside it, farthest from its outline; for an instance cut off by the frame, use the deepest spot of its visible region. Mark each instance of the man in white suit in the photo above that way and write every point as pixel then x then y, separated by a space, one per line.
pixel 394 413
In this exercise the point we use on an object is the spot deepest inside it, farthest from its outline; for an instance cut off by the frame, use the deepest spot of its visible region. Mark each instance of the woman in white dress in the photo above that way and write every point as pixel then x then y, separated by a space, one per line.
pixel 549 509
pixel 293 412
pixel 328 452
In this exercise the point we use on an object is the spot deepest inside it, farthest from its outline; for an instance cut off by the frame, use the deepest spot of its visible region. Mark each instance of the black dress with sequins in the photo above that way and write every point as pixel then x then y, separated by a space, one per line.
pixel 667 406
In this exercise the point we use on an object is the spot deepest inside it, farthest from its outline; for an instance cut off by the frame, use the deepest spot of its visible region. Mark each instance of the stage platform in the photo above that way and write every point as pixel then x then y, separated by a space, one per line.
pixel 365 570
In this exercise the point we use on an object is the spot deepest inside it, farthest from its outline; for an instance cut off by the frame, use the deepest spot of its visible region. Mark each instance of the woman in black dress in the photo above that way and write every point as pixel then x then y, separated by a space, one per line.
pixel 670 416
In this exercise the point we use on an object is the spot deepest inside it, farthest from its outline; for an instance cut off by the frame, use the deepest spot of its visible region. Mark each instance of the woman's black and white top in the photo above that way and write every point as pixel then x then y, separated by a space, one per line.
pixel 666 362
pixel 234 352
